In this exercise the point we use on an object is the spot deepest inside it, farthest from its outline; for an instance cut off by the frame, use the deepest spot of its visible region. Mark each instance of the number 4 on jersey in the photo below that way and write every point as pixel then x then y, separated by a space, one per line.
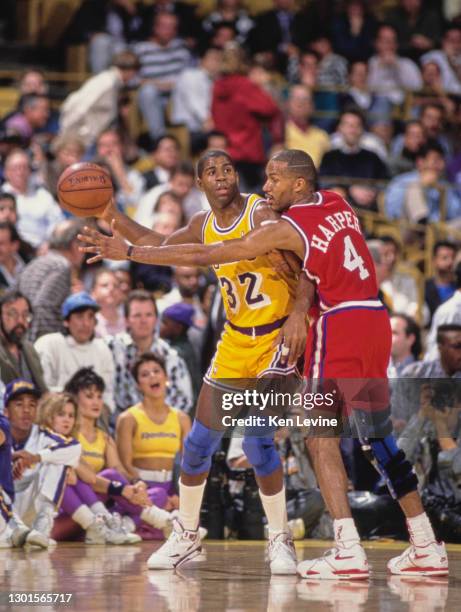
pixel 352 260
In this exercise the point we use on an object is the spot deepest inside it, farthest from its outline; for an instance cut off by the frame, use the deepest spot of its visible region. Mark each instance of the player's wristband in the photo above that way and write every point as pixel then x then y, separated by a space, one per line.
pixel 115 487
pixel 130 251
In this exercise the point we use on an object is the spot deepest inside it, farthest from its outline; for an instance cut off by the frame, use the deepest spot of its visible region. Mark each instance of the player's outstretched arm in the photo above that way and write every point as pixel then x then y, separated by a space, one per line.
pixel 139 235
pixel 279 235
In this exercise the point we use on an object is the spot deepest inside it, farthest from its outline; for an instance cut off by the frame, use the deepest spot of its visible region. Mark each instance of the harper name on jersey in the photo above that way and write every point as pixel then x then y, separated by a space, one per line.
pixel 337 258
pixel 253 292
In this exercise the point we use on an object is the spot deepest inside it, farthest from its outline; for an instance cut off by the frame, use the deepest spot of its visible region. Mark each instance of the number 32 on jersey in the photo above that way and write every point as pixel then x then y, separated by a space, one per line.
pixel 253 297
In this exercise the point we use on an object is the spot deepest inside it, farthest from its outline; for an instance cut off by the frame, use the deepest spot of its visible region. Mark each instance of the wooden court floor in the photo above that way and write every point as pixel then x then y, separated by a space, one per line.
pixel 231 577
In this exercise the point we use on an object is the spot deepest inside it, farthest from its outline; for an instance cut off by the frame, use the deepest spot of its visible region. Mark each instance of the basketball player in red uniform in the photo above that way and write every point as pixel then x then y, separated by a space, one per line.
pixel 349 343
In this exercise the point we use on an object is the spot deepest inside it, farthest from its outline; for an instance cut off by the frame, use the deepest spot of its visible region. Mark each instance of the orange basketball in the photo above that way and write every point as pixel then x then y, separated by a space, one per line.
pixel 85 189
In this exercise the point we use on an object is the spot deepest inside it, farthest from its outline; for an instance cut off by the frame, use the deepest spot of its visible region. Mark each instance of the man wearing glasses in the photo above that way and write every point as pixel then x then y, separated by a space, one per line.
pixel 18 358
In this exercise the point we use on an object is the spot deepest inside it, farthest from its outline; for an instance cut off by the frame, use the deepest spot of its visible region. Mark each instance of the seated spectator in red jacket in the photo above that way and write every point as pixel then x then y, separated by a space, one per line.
pixel 239 109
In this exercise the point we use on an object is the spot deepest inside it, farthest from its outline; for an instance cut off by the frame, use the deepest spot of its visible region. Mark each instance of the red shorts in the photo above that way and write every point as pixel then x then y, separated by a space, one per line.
pixel 349 346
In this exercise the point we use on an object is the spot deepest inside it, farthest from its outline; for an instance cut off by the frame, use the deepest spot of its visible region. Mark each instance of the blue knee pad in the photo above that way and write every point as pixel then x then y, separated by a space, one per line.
pixel 261 454
pixel 391 463
pixel 199 446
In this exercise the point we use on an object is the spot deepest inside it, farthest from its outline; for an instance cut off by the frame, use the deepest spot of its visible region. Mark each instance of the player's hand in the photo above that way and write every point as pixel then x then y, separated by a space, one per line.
pixel 284 262
pixel 292 336
pixel 106 247
pixel 108 214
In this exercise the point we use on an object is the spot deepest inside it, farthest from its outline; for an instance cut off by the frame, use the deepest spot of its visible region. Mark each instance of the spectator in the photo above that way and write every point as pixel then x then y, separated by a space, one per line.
pixel 151 434
pixel 448 58
pixel 351 160
pixel 279 30
pixel 125 283
pixel 186 289
pixel 141 316
pixel 162 57
pixel 299 131
pixel 165 155
pixel 353 31
pixel 129 184
pixel 389 74
pixel 62 354
pixel 432 120
pixel 358 95
pixel 42 469
pixel 223 34
pixel 416 195
pixel 376 249
pixel 239 109
pixel 37 211
pixel 11 263
pixel 191 99
pixel 33 117
pixel 304 69
pixel 110 319
pixel 188 23
pixel 216 140
pixel 433 91
pixel 8 208
pixel 418 28
pixel 58 413
pixel 400 289
pixel 102 469
pixel 441 286
pixel 18 358
pixel 67 150
pixel 229 11
pixel 182 185
pixel 123 25
pixel 93 108
pixel 177 321
pixel 448 313
pixel 332 69
pixel 32 81
pixel 406 398
pixel 46 280
pixel 406 343
pixel 405 147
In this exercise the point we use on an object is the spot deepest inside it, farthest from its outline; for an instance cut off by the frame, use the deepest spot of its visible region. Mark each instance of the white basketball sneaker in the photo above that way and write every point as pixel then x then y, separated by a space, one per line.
pixel 181 547
pixel 338 563
pixel 429 560
pixel 5 538
pixel 282 554
pixel 41 529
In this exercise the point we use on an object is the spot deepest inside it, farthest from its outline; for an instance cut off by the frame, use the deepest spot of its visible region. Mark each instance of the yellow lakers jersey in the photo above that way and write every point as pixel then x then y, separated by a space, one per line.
pixel 253 292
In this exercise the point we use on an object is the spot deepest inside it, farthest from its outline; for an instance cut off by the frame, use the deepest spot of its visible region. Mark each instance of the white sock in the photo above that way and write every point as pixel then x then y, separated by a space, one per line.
pixel 275 507
pixel 2 524
pixel 99 508
pixel 420 529
pixel 190 502
pixel 83 516
pixel 346 533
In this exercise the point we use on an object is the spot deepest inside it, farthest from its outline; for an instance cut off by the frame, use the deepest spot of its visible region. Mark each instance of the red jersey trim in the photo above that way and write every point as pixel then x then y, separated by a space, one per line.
pixel 303 236
pixel 319 203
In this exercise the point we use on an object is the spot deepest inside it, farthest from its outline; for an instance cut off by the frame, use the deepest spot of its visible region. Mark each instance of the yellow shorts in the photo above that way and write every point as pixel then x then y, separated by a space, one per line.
pixel 240 356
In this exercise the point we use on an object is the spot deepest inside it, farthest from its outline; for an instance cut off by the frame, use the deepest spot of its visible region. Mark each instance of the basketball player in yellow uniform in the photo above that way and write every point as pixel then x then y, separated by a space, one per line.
pixel 260 305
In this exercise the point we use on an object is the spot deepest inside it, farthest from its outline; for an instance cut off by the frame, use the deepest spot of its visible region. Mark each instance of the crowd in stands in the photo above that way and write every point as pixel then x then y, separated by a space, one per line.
pixel 91 354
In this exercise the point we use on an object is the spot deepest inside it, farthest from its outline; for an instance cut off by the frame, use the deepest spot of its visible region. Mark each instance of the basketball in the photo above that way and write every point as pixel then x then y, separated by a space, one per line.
pixel 85 189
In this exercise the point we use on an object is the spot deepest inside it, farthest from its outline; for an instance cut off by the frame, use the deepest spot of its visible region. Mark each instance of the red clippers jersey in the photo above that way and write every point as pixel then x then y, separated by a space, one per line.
pixel 337 257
